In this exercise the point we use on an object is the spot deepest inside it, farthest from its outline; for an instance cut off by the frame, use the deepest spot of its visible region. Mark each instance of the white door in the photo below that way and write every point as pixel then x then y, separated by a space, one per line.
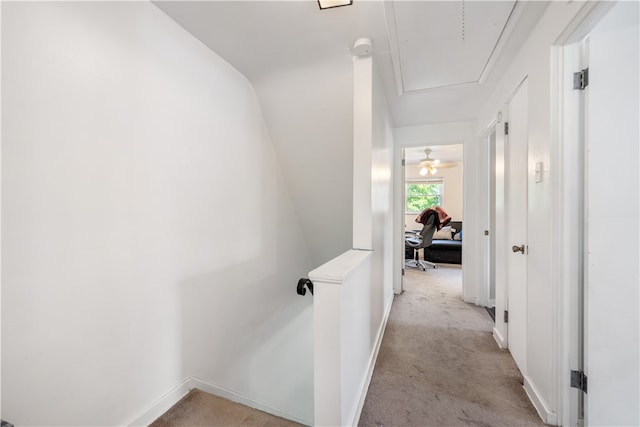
pixel 612 322
pixel 517 142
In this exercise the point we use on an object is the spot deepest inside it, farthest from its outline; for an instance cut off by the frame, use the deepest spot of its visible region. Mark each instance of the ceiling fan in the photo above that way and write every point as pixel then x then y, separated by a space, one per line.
pixel 429 165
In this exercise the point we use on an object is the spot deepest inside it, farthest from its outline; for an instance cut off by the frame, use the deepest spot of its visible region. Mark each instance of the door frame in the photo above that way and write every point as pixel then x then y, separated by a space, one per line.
pixel 398 197
pixel 496 125
pixel 485 207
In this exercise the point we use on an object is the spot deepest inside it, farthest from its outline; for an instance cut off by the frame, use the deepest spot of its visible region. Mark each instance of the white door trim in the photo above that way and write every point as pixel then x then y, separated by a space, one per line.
pixel 483 205
pixel 496 124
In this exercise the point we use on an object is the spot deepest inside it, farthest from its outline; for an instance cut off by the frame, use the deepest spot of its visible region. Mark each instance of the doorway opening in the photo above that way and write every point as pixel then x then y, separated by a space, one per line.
pixel 433 177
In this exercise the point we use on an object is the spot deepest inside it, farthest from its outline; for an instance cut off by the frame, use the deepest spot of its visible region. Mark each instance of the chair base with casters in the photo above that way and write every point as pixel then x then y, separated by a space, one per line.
pixel 414 241
pixel 418 263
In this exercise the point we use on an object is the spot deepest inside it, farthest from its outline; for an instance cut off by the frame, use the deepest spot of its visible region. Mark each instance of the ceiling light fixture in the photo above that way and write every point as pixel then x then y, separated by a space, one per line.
pixel 329 4
pixel 425 170
pixel 431 164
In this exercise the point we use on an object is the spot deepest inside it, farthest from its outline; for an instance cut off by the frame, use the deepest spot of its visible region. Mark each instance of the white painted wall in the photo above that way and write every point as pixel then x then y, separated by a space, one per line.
pixel 534 62
pixel 363 123
pixel 309 113
pixel 127 261
pixel 452 199
pixel 381 203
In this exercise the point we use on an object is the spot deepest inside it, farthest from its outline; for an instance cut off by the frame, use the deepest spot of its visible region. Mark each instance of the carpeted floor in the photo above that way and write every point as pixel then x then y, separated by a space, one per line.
pixel 201 409
pixel 439 364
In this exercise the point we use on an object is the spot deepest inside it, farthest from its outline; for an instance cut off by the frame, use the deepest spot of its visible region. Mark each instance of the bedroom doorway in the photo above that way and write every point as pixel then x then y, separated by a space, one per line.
pixel 433 176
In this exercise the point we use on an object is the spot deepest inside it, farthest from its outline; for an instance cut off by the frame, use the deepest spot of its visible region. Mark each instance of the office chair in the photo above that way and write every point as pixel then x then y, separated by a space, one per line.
pixel 420 240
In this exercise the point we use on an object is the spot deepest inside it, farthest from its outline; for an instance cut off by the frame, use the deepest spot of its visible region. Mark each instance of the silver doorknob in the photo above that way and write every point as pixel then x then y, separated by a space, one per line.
pixel 518 249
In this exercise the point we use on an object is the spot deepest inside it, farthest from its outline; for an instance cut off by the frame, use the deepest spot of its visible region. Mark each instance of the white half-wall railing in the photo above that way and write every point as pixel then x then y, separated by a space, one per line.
pixel 345 345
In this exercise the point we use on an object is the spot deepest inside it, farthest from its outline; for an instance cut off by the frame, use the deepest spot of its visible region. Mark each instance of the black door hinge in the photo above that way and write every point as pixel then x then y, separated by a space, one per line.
pixel 581 79
pixel 403 162
pixel 506 316
pixel 506 128
pixel 579 380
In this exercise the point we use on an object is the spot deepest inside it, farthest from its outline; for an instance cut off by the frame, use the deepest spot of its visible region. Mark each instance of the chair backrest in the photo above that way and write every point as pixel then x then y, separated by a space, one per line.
pixel 427 232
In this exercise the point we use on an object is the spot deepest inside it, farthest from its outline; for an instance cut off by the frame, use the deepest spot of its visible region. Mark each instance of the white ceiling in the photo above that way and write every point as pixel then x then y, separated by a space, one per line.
pixel 465 33
pixel 415 43
pixel 263 37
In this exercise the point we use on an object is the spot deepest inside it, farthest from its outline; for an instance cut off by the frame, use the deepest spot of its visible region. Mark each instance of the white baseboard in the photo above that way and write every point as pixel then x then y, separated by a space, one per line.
pixel 244 400
pixel 161 405
pixel 355 417
pixel 492 303
pixel 547 415
pixel 502 343
pixel 164 403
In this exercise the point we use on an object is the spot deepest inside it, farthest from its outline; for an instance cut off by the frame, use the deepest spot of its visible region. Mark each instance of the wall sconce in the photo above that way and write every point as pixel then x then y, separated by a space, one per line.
pixel 328 4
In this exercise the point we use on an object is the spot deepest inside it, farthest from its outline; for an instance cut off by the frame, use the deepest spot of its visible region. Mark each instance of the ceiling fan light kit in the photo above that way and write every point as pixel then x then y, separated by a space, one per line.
pixel 424 171
pixel 430 165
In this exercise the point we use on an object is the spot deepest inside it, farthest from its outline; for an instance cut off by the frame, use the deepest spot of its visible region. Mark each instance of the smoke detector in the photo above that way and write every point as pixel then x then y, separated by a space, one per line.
pixel 362 47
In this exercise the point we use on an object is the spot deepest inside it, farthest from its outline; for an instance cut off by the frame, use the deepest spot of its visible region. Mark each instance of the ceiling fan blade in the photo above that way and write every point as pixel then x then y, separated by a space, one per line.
pixel 434 164
pixel 447 165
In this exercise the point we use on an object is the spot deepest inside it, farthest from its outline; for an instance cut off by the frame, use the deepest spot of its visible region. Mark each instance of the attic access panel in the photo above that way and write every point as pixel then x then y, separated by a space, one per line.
pixel 447 43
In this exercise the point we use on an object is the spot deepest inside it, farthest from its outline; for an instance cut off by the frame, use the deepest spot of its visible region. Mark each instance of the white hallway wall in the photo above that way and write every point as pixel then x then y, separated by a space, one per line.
pixel 534 62
pixel 309 113
pixel 127 261
pixel 381 201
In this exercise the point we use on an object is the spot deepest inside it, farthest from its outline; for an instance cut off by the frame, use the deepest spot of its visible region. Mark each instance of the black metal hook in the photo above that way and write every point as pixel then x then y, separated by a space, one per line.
pixel 302 283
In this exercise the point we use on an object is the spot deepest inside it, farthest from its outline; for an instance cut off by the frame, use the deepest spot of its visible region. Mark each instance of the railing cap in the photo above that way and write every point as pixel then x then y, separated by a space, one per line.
pixel 340 268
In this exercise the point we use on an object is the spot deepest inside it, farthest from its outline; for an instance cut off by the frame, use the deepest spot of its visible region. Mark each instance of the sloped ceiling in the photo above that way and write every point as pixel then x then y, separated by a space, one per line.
pixel 299 61
pixel 439 60
pixel 264 37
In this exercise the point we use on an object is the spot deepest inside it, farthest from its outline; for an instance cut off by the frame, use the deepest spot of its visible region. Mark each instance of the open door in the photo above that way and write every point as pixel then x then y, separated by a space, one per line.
pixel 612 322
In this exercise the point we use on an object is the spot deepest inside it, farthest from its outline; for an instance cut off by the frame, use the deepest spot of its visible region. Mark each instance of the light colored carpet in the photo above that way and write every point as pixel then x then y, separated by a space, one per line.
pixel 199 409
pixel 439 364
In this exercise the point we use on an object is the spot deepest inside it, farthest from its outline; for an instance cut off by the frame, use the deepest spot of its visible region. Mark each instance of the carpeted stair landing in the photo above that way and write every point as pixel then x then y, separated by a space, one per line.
pixel 201 409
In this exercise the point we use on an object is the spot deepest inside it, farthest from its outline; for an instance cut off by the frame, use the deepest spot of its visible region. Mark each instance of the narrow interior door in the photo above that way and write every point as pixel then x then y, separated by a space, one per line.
pixel 517 144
